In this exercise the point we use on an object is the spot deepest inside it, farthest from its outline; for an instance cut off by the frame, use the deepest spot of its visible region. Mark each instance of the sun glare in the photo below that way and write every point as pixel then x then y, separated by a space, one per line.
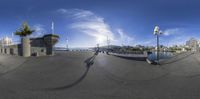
pixel 101 39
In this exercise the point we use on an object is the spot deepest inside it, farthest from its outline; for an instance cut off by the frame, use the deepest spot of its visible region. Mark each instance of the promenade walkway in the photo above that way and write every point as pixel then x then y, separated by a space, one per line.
pixel 68 76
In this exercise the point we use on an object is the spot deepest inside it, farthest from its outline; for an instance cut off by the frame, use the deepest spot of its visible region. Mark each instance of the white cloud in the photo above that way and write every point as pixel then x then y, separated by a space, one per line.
pixel 124 38
pixel 80 14
pixel 180 40
pixel 39 30
pixel 179 36
pixel 62 10
pixel 173 31
pixel 89 23
pixel 93 25
pixel 149 42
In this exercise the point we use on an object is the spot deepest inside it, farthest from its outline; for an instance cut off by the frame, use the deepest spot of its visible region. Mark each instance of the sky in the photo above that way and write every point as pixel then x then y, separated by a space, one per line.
pixel 86 23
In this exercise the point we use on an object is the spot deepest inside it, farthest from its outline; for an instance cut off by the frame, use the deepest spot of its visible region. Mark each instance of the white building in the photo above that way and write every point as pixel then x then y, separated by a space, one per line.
pixel 6 41
pixel 193 44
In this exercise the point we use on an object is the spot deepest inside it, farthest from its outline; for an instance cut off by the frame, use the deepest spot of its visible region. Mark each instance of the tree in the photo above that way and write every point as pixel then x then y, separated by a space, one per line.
pixel 24 31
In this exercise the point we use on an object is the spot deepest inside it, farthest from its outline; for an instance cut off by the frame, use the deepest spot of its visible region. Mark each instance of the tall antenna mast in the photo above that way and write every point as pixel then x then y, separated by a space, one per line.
pixel 108 42
pixel 52 27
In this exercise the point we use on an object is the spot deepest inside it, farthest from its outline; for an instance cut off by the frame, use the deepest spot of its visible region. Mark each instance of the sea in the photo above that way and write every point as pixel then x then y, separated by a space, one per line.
pixel 162 55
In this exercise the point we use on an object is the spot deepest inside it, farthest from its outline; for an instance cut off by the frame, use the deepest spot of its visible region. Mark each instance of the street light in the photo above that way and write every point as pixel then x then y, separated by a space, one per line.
pixel 108 44
pixel 157 32
pixel 67 47
pixel 97 47
pixel 97 50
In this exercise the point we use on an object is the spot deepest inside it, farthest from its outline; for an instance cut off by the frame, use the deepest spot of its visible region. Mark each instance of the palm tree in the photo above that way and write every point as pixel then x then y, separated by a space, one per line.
pixel 23 32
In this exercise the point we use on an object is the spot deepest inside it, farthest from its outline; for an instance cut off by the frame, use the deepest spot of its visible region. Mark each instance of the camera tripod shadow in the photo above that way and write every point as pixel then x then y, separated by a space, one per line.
pixel 89 62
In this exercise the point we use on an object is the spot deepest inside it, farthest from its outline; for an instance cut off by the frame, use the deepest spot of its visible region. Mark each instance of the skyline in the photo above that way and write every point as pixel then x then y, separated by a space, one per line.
pixel 84 24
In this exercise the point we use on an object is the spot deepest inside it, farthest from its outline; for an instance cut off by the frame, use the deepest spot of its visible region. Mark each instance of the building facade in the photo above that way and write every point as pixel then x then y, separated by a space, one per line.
pixel 38 46
pixel 6 41
pixel 193 44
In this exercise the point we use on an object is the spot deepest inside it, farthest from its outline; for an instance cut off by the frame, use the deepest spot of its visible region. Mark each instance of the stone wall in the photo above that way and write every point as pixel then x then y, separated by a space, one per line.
pixel 16 50
pixel 34 46
pixel 38 51
pixel 11 50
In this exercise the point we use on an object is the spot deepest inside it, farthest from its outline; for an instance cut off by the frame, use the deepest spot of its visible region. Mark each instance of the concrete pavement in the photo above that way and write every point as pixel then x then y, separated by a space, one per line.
pixel 67 76
pixel 9 63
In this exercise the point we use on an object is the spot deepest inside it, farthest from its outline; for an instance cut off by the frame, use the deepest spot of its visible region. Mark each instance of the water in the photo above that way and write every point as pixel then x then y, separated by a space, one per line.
pixel 163 55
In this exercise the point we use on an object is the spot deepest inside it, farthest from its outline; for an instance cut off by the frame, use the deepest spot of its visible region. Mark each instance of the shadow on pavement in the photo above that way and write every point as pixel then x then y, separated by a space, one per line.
pixel 89 62
pixel 176 60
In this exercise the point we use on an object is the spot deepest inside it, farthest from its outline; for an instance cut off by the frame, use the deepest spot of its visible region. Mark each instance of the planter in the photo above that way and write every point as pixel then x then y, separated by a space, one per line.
pixel 26 48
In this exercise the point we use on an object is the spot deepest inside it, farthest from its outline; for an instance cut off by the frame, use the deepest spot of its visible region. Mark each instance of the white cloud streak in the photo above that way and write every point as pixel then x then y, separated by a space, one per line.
pixel 124 38
pixel 93 25
pixel 180 40
pixel 39 30
pixel 173 31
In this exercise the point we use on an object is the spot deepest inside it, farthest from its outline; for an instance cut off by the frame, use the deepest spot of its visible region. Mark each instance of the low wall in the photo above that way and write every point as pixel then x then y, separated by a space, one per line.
pixel 38 51
pixel 10 50
pixel 16 50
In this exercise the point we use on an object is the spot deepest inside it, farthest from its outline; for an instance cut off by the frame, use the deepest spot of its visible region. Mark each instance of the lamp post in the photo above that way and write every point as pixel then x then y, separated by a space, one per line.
pixel 97 47
pixel 157 32
pixel 108 45
pixel 67 47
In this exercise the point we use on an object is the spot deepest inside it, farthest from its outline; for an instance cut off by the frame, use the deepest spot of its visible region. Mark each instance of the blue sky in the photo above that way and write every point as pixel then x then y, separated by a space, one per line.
pixel 88 22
